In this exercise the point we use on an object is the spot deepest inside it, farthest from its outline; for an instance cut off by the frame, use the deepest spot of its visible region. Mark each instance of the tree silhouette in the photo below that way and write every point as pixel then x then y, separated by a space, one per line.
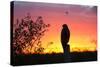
pixel 27 33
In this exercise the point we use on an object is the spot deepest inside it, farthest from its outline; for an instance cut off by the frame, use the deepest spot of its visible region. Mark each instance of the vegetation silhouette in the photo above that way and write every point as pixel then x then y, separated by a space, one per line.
pixel 33 59
pixel 28 34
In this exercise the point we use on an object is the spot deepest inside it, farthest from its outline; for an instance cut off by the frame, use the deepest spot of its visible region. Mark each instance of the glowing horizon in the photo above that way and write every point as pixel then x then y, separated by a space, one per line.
pixel 81 20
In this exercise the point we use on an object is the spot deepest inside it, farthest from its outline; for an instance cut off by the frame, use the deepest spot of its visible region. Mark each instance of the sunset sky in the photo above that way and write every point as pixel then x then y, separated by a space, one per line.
pixel 81 20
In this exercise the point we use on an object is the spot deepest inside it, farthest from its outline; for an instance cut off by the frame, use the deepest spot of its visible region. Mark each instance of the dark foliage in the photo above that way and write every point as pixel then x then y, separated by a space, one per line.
pixel 54 58
pixel 28 33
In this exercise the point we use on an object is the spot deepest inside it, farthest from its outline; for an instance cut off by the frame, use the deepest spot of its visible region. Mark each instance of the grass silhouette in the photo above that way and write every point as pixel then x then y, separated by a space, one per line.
pixel 33 59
